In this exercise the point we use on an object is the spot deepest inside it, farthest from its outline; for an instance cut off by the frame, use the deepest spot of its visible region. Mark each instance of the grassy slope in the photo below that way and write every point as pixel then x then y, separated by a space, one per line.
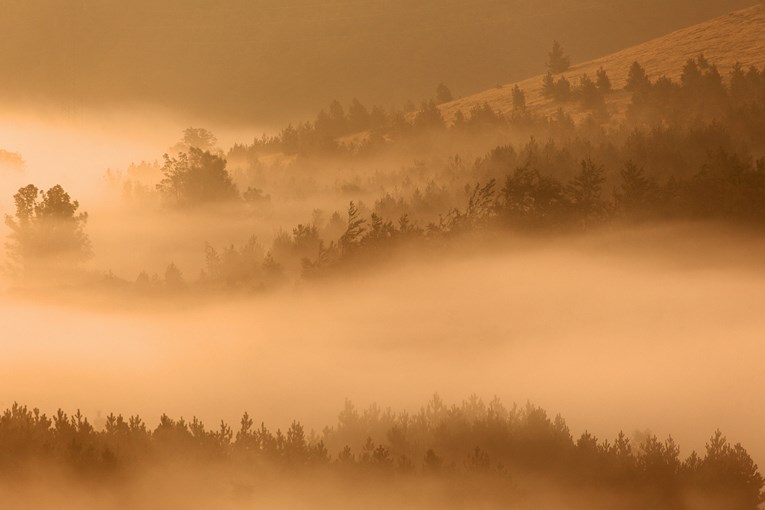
pixel 281 60
pixel 736 37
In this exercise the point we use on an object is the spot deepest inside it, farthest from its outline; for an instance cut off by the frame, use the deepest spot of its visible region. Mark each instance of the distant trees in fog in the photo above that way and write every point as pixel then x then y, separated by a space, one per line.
pixel 198 138
pixel 361 130
pixel 47 231
pixel 457 442
pixel 689 150
pixel 11 160
pixel 194 178
pixel 589 93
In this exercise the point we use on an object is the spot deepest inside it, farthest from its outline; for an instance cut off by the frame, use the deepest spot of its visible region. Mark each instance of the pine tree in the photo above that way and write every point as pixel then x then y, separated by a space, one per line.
pixel 558 62
pixel 519 99
pixel 637 79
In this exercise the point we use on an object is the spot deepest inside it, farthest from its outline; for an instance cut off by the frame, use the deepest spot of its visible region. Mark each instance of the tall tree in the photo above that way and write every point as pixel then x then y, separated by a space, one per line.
pixel 519 99
pixel 585 192
pixel 558 61
pixel 47 230
pixel 637 79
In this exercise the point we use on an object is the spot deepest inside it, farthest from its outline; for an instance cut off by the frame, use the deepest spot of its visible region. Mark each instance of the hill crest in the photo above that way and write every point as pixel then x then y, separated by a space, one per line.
pixel 725 40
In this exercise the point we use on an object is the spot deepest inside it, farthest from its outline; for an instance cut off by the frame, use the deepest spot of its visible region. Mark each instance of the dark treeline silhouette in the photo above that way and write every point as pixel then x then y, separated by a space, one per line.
pixel 688 151
pixel 505 445
pixel 702 94
pixel 591 94
pixel 534 189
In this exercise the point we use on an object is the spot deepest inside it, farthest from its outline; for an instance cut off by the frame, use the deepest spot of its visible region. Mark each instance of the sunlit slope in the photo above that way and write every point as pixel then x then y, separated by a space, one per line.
pixel 736 37
pixel 279 60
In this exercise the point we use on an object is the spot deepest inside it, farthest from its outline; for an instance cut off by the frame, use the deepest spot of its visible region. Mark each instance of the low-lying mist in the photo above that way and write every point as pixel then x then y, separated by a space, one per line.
pixel 610 274
pixel 617 331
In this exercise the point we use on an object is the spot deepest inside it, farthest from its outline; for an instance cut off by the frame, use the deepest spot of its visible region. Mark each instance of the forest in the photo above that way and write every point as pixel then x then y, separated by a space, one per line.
pixel 688 151
pixel 589 245
pixel 480 446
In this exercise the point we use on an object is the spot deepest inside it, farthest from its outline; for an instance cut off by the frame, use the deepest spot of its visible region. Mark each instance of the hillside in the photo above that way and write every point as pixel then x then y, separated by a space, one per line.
pixel 735 37
pixel 280 60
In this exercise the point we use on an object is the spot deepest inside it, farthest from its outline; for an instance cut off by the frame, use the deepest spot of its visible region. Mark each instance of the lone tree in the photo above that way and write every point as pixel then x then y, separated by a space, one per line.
pixel 199 138
pixel 519 99
pixel 557 62
pixel 443 94
pixel 47 231
pixel 195 178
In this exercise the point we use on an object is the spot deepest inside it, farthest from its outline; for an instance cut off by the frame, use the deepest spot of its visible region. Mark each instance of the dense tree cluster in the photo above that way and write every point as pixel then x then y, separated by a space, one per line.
pixel 194 178
pixel 702 93
pixel 47 232
pixel 471 439
pixel 589 93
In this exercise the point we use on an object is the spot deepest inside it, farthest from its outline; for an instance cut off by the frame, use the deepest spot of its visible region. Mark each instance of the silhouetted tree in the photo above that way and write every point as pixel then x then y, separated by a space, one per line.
pixel 195 178
pixel 590 95
pixel 548 85
pixel 638 195
pixel 603 81
pixel 173 277
pixel 637 79
pixel 557 61
pixel 585 192
pixel 354 230
pixel 562 89
pixel 359 118
pixel 519 99
pixel 47 230
pixel 198 138
pixel 428 117
pixel 443 94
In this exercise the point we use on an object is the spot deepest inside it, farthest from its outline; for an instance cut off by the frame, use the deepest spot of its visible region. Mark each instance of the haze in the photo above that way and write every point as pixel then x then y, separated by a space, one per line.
pixel 445 254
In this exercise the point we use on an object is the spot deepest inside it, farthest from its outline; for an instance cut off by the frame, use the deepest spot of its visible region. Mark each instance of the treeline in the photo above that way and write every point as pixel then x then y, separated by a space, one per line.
pixel 358 130
pixel 701 94
pixel 726 188
pixel 669 175
pixel 698 160
pixel 473 438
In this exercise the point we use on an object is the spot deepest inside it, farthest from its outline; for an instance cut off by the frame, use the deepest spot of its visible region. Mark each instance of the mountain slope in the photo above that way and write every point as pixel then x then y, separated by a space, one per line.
pixel 280 60
pixel 736 37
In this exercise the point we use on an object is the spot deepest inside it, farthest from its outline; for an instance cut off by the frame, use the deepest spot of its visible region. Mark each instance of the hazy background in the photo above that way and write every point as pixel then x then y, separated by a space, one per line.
pixel 273 61
pixel 654 328
pixel 611 334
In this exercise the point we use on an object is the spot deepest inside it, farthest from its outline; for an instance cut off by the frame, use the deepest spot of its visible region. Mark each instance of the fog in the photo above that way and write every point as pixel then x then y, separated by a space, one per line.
pixel 612 335
pixel 546 295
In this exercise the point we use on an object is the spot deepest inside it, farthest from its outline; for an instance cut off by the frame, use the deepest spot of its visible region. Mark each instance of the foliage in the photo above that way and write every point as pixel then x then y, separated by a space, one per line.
pixel 47 231
pixel 557 61
pixel 443 94
pixel 196 178
pixel 637 79
pixel 519 99
pixel 459 441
